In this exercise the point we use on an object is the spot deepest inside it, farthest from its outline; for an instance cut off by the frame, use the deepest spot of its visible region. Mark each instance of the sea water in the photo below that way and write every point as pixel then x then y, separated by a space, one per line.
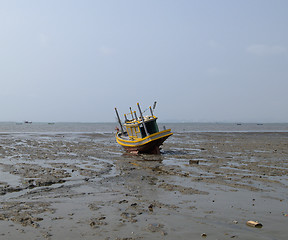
pixel 13 127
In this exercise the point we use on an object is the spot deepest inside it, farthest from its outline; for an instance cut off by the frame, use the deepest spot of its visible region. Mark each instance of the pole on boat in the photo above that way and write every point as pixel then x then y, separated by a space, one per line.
pixel 119 120
pixel 131 113
pixel 135 115
pixel 151 111
pixel 142 119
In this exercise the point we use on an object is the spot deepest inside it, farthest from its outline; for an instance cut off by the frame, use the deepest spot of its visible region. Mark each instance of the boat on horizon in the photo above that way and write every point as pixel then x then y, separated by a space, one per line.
pixel 141 134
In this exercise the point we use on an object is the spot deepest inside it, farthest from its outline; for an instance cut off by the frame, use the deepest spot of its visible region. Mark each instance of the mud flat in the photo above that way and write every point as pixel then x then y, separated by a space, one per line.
pixel 83 186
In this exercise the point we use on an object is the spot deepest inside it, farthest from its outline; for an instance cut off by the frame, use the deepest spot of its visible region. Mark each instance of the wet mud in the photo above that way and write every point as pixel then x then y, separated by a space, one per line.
pixel 72 186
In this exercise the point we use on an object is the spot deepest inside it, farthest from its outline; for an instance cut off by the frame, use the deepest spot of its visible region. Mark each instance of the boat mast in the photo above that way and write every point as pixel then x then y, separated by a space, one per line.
pixel 142 119
pixel 119 120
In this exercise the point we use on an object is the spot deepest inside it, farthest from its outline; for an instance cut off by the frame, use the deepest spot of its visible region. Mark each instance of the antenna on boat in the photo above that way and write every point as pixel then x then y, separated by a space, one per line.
pixel 154 105
pixel 119 120
pixel 142 118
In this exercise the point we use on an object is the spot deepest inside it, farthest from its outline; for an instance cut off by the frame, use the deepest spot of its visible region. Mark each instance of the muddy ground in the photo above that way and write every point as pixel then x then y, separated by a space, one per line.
pixel 203 185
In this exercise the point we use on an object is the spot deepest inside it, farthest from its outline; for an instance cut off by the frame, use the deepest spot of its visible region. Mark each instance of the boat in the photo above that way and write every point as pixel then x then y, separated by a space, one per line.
pixel 141 134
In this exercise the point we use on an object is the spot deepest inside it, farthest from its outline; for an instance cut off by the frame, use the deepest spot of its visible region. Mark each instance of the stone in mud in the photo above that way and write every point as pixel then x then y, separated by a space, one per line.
pixel 47 235
pixel 129 216
pixel 155 227
pixel 193 162
pixel 150 207
pixel 95 223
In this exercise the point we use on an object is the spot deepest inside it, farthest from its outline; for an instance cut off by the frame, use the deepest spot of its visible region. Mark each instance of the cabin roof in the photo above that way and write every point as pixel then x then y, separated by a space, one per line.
pixel 138 121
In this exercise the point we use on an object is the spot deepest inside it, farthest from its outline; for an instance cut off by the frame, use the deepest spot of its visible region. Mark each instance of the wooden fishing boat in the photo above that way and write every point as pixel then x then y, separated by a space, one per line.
pixel 141 134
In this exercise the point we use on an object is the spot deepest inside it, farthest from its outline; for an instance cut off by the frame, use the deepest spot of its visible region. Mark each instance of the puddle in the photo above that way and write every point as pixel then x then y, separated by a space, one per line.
pixel 9 179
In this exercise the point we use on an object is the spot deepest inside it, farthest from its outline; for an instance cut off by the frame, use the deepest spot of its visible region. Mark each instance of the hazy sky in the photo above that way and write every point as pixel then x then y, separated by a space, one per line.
pixel 201 60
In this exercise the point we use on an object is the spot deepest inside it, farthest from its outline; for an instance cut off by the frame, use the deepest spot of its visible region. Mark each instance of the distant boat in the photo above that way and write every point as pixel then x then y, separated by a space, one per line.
pixel 29 122
pixel 142 134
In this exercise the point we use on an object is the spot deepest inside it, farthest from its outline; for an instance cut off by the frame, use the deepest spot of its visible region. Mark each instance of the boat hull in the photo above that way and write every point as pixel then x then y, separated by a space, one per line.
pixel 149 144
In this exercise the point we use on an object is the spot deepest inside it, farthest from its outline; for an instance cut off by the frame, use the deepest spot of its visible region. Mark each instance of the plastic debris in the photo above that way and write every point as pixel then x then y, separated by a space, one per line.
pixel 254 224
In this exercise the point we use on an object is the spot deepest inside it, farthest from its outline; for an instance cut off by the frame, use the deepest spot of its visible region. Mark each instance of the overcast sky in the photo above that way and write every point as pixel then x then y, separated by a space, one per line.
pixel 205 60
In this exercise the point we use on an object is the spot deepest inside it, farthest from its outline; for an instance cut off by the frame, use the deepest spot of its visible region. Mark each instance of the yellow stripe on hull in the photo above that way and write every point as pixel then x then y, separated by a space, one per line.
pixel 140 142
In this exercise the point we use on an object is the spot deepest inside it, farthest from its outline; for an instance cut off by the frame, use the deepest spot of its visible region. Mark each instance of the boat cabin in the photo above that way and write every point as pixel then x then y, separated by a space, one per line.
pixel 135 128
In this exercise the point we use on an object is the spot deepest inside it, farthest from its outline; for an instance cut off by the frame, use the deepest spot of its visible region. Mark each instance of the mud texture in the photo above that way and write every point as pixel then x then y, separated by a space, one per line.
pixel 84 186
